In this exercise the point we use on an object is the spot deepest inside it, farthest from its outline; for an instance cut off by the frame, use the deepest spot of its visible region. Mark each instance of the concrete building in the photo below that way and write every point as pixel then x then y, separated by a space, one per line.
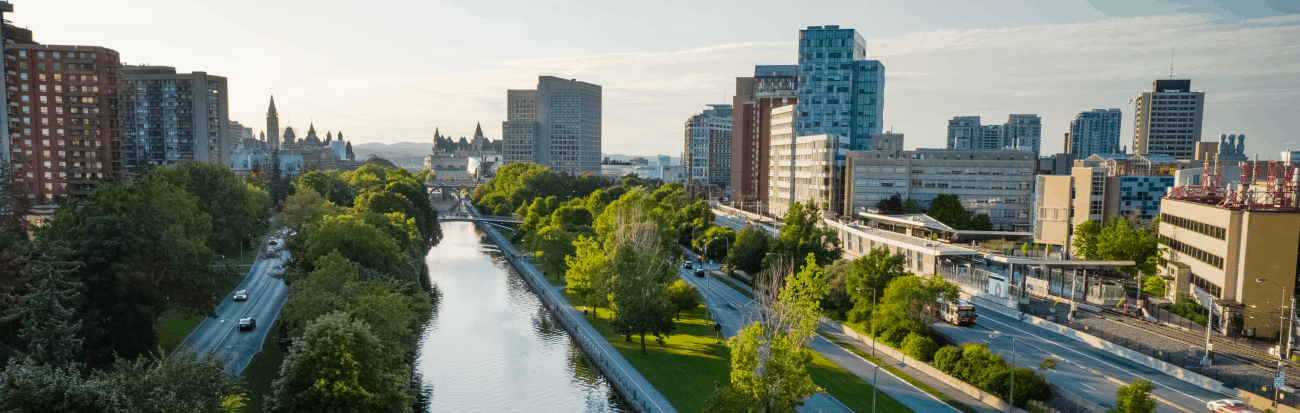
pixel 1058 164
pixel 997 182
pixel 1095 131
pixel 1023 132
pixel 1167 120
pixel 170 117
pixel 665 160
pixel 557 125
pixel 14 34
pixel 964 133
pixel 840 92
pixel 807 169
pixel 770 87
pixel 673 174
pixel 706 150
pixel 1097 189
pixel 63 122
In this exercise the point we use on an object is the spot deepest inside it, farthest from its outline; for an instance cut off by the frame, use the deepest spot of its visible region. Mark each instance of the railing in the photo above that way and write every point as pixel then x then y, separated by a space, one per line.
pixel 1165 317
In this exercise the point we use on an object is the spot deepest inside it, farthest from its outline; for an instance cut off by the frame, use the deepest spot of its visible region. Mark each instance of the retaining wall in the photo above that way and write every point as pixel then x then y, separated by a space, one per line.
pixel 595 347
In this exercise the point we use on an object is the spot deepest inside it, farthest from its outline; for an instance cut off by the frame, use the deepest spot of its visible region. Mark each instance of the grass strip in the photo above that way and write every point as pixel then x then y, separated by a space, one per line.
pixel 262 370
pixel 949 400
pixel 174 325
pixel 850 389
pixel 723 280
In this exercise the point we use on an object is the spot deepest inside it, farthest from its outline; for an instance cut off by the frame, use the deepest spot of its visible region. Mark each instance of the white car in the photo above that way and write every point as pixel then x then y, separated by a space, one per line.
pixel 1228 405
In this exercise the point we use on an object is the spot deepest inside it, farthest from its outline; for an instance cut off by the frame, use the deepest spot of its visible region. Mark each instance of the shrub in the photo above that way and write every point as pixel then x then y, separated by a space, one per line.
pixel 894 336
pixel 1029 385
pixel 946 359
pixel 919 347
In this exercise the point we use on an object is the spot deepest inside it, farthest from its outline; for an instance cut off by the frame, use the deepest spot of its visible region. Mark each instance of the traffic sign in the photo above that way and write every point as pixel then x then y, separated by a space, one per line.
pixel 1279 379
pixel 717 327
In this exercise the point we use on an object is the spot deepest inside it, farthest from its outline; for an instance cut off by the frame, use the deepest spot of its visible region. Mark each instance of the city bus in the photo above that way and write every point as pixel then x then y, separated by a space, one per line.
pixel 960 313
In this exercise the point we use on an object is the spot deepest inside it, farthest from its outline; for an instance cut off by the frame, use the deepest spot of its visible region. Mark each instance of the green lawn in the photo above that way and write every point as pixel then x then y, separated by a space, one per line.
pixel 264 369
pixel 174 325
pixel 919 384
pixel 689 365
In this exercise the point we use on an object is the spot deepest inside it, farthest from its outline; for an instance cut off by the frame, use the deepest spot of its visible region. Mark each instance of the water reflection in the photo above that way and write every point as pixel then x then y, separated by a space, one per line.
pixel 492 347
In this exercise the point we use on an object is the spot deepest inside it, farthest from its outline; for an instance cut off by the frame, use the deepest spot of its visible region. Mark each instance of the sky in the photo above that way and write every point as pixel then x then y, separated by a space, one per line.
pixel 392 71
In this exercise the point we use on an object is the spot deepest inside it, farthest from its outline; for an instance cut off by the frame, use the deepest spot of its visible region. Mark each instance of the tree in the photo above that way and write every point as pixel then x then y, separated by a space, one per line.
pixel 1134 398
pixel 553 245
pixel 236 209
pixel 867 278
pixel 715 242
pixel 358 242
pixel 1154 286
pixel 804 234
pixel 1121 239
pixel 329 184
pixel 640 289
pixel 47 312
pixel 910 206
pixel 684 297
pixel 588 276
pixel 947 208
pixel 893 205
pixel 339 365
pixel 159 383
pixel 305 206
pixel 910 301
pixel 749 249
pixel 1085 240
pixel 981 222
pixel 30 387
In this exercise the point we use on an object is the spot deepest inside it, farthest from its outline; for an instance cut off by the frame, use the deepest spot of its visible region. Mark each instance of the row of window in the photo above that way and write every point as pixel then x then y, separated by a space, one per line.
pixel 1193 225
pixel 1188 250
pixel 56 55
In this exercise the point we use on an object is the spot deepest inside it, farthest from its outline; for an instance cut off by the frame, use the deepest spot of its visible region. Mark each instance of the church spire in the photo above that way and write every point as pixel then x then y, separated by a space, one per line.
pixel 273 125
pixel 478 130
pixel 435 132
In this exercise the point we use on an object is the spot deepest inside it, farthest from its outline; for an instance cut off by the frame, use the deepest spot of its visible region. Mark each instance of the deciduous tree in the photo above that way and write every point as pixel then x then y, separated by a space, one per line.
pixel 339 365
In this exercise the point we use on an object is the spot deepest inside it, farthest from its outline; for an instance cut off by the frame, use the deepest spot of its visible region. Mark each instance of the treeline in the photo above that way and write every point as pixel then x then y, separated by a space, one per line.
pixel 945 208
pixel 81 296
pixel 357 290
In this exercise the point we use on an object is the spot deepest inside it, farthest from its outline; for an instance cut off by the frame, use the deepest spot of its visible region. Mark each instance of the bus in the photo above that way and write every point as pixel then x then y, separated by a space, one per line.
pixel 960 313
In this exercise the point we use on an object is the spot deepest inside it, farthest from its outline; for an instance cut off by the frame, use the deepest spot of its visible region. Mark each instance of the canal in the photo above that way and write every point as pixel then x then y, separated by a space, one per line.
pixel 491 346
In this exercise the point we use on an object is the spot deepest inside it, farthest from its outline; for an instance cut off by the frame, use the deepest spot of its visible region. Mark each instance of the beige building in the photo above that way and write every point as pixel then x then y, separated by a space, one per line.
pixel 804 168
pixel 1223 251
pixel 1098 188
pixel 997 182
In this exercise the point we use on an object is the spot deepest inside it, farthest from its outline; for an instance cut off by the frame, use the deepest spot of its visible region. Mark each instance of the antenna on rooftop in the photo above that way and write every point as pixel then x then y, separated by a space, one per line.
pixel 1171 63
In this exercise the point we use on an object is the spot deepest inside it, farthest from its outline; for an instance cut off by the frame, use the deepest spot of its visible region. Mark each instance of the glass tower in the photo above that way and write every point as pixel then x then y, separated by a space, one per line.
pixel 840 92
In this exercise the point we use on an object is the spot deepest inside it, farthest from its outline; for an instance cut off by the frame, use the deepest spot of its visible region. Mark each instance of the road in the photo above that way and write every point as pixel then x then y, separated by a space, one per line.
pixel 738 223
pixel 220 337
pixel 733 310
pixel 1091 373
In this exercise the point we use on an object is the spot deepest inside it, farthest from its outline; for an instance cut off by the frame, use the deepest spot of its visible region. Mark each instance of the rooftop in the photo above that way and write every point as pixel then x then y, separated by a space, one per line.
pixel 907 241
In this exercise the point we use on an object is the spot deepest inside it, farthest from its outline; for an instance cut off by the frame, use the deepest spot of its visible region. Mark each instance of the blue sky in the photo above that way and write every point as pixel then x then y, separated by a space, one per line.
pixel 392 71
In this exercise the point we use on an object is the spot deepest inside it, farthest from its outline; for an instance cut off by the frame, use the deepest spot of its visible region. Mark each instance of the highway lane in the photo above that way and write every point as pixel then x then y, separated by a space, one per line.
pixel 219 337
pixel 1091 373
pixel 738 223
pixel 733 310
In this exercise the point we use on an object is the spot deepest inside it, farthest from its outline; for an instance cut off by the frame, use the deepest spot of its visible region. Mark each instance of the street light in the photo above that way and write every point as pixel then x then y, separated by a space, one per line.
pixel 1012 399
pixel 872 320
pixel 1281 348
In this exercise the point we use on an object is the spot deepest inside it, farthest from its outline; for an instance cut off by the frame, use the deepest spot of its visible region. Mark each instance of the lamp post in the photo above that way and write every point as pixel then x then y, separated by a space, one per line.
pixel 1282 349
pixel 1011 400
pixel 872 320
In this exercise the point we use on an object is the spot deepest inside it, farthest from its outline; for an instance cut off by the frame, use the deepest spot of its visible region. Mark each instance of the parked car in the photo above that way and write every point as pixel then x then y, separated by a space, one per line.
pixel 247 324
pixel 699 273
pixel 688 265
pixel 241 295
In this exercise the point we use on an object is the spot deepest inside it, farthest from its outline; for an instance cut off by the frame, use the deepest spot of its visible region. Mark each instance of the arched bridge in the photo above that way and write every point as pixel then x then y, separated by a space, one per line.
pixel 481 218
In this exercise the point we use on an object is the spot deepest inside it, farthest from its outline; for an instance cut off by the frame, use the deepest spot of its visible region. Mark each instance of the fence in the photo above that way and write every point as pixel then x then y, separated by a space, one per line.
pixel 595 347
pixel 1162 315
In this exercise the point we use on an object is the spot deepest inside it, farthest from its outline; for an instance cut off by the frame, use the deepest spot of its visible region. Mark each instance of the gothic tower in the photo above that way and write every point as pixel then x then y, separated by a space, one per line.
pixel 273 125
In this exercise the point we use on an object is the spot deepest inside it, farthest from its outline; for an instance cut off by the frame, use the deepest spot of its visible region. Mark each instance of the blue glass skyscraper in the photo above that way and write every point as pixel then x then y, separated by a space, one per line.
pixel 840 92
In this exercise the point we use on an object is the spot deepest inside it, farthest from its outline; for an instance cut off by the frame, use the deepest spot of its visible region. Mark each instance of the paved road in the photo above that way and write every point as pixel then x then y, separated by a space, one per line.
pixel 220 337
pixel 738 223
pixel 733 310
pixel 1091 373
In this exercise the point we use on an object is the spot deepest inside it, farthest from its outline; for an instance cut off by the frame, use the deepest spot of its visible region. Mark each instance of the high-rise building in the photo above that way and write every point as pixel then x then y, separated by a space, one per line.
pixel 770 87
pixel 964 132
pixel 807 169
pixel 990 137
pixel 840 92
pixel 172 117
pixel 236 133
pixel 707 147
pixel 1093 132
pixel 7 31
pixel 557 125
pixel 63 118
pixel 665 160
pixel 1167 120
pixel 1023 132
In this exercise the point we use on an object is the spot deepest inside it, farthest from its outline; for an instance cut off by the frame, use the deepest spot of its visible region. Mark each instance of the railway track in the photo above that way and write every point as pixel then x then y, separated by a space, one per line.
pixel 1222 347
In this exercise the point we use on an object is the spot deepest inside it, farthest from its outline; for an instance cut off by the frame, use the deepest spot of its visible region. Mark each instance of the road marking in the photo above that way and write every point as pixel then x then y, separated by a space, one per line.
pixel 1090 387
pixel 1152 395
pixel 1101 361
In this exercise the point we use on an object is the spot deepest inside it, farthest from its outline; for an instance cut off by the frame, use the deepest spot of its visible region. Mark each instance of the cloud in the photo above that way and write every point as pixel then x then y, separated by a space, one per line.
pixel 1249 71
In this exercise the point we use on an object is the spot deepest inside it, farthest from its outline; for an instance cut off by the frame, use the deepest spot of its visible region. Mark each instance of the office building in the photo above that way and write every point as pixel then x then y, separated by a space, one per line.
pixel 171 117
pixel 1099 188
pixel 806 169
pixel 997 182
pixel 1167 120
pixel 707 148
pixel 1020 132
pixel 770 87
pixel 1095 131
pixel 238 134
pixel 665 160
pixel 840 92
pixel 1058 164
pixel 63 119
pixel 1290 155
pixel 557 125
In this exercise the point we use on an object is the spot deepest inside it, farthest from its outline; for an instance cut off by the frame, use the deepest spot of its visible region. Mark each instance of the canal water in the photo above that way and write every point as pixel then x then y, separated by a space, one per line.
pixel 491 346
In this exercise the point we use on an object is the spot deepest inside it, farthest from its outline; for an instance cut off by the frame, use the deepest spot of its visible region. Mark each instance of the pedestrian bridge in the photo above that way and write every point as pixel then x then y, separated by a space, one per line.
pixel 480 218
